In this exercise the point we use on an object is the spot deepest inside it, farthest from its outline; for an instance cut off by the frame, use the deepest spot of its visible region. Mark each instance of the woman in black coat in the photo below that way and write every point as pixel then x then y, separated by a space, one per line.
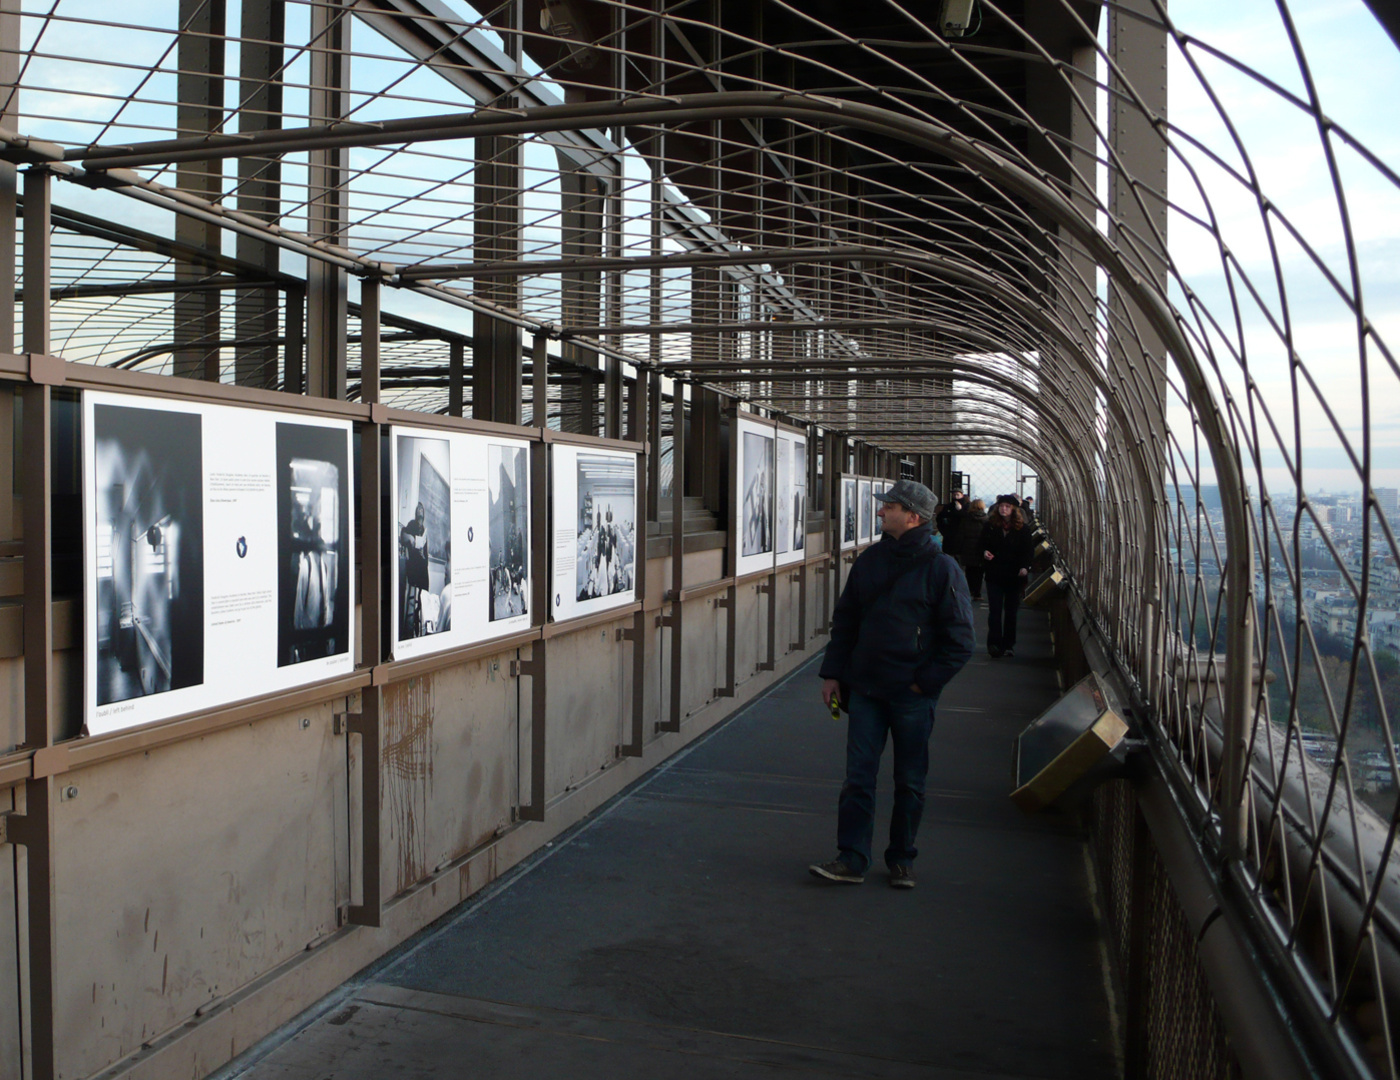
pixel 1007 551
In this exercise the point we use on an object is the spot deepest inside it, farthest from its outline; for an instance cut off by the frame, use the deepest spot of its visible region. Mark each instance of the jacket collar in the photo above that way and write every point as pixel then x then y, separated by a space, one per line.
pixel 913 540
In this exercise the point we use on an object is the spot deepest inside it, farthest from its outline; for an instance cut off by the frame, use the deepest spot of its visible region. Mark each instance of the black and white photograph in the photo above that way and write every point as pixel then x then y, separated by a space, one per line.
pixel 782 502
pixel 607 525
pixel 313 528
pixel 756 520
pixel 149 545
pixel 848 510
pixel 423 524
pixel 867 510
pixel 507 480
pixel 799 495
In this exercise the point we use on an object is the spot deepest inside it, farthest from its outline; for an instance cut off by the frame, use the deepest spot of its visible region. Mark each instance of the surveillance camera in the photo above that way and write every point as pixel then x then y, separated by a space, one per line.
pixel 955 17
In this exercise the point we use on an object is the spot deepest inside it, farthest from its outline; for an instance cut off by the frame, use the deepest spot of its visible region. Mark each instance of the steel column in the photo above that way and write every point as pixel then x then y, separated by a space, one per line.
pixel 328 201
pixel 369 341
pixel 36 830
pixel 259 184
pixel 200 93
pixel 674 620
pixel 456 375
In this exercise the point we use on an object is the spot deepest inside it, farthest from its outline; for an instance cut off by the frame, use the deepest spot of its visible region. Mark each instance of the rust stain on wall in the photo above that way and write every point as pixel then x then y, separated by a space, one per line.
pixel 408 773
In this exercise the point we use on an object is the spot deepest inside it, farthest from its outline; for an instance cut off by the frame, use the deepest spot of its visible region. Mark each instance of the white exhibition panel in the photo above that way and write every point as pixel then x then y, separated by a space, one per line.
pixel 218 555
pixel 754 498
pixel 849 512
pixel 790 529
pixel 865 505
pixel 459 557
pixel 594 553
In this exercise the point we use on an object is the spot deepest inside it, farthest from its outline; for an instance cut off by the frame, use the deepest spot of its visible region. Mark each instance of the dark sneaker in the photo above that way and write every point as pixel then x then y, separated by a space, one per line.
pixel 1009 652
pixel 994 652
pixel 901 877
pixel 836 870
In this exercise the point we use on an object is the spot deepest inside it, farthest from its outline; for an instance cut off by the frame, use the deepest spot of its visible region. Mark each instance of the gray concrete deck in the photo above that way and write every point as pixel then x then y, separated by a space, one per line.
pixel 677 933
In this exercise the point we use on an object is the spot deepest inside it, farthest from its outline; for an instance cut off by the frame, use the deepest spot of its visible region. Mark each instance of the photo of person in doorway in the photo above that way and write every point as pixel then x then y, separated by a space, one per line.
pixel 313 527
pixel 424 515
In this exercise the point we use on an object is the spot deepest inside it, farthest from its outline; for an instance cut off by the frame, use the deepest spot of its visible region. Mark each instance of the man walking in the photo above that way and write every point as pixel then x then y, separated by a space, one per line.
pixel 900 631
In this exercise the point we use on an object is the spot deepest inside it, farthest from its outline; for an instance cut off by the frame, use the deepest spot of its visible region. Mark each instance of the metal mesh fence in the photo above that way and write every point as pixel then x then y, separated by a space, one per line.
pixel 1147 251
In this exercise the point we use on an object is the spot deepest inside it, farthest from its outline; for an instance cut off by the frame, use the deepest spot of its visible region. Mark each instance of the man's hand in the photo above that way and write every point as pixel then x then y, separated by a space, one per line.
pixel 1024 572
pixel 915 687
pixel 988 556
pixel 829 687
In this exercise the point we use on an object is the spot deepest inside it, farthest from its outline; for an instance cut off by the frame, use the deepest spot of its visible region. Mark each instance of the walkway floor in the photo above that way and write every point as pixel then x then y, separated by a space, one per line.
pixel 678 933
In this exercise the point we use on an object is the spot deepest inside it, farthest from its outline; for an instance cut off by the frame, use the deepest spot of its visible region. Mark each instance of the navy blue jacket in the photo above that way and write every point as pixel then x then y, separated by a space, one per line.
pixel 917 632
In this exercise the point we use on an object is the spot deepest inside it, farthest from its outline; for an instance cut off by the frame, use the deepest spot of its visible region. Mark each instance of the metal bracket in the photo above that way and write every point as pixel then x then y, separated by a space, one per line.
pixel 353 723
pixel 46 370
pixel 529 668
pixel 49 761
pixel 665 620
pixel 378 414
pixel 626 633
pixel 764 586
pixel 764 665
pixel 797 646
pixel 14 828
pixel 722 601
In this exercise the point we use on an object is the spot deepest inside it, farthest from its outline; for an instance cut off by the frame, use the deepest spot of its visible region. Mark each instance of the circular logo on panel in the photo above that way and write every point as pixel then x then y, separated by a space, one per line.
pixel 241 547
pixel 471 534
pixel 557 601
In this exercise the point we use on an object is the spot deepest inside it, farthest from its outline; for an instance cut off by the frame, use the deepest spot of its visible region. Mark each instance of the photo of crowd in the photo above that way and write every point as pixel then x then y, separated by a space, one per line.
pixel 607 530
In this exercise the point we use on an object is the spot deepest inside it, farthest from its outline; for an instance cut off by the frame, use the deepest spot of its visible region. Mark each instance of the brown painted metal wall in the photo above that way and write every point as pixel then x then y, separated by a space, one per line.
pixel 204 887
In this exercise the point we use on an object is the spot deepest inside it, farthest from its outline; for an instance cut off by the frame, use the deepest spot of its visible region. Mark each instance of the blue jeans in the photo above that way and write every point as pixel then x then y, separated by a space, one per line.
pixel 908 720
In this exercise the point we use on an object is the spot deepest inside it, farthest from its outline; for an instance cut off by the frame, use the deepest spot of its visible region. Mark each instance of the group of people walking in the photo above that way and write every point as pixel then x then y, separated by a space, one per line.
pixel 995 549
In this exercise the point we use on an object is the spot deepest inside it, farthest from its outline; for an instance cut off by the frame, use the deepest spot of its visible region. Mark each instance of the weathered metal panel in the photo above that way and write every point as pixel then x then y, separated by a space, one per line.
pixel 450 777
pixel 185 873
pixel 751 631
pixel 11 703
pixel 701 658
pixel 9 955
pixel 590 685
pixel 788 604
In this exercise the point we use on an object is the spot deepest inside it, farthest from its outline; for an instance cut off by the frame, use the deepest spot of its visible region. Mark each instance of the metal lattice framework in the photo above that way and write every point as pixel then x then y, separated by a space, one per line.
pixel 932 244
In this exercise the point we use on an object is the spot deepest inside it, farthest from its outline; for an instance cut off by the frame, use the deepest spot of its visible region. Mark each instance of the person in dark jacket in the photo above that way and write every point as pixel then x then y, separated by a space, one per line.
pixel 900 631
pixel 1007 551
pixel 969 549
pixel 947 517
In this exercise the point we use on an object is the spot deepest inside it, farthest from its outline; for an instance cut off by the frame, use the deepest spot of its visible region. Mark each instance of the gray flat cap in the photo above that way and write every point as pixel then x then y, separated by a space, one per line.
pixel 913 496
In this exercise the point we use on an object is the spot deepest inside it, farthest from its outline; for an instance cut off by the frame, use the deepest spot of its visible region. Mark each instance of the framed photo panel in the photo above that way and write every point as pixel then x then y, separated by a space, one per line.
pixel 594 547
pixel 849 512
pixel 865 502
pixel 218 555
pixel 459 556
pixel 790 510
pixel 754 497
